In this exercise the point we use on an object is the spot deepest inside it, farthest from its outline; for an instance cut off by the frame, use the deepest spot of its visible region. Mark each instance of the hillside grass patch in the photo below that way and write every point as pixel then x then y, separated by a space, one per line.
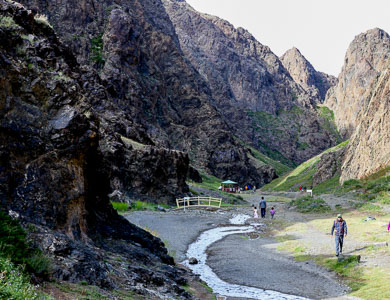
pixel 308 204
pixel 303 175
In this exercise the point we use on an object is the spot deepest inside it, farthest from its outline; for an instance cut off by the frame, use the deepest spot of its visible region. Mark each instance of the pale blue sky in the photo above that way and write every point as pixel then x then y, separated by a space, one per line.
pixel 321 30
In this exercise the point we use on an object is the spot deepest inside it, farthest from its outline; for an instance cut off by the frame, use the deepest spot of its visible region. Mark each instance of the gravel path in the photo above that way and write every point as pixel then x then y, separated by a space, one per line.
pixel 240 259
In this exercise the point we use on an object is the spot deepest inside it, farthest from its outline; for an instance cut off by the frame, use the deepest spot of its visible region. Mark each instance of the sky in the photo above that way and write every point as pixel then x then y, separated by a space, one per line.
pixel 321 29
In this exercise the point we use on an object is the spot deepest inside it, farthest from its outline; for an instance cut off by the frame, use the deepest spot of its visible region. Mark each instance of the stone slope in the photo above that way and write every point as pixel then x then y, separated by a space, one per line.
pixel 56 163
pixel 136 50
pixel 369 149
pixel 249 85
pixel 315 83
pixel 366 58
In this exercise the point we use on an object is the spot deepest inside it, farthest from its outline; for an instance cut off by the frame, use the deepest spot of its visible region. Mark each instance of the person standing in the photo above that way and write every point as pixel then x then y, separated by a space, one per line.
pixel 272 212
pixel 255 215
pixel 340 230
pixel 388 227
pixel 263 207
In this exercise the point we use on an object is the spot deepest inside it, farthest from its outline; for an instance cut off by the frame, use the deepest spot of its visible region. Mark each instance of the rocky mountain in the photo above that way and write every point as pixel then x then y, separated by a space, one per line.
pixel 134 47
pixel 251 87
pixel 369 149
pixel 313 82
pixel 62 149
pixel 366 58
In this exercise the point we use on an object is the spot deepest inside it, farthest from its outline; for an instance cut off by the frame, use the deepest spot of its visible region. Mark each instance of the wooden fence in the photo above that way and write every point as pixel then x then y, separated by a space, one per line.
pixel 198 202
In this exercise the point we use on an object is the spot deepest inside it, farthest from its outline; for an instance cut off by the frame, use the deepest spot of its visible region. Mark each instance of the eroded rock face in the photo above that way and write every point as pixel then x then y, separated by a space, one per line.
pixel 329 166
pixel 369 149
pixel 366 58
pixel 58 151
pixel 136 49
pixel 251 87
pixel 315 83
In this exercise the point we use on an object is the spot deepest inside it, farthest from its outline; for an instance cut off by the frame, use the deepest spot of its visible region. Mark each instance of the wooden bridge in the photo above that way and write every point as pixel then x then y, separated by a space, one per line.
pixel 198 202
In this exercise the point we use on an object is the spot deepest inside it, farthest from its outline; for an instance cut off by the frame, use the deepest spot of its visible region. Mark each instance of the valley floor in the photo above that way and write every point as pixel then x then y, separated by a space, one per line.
pixel 286 254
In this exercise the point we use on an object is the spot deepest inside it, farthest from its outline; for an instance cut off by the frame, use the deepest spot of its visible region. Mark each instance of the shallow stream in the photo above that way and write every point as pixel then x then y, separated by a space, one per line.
pixel 198 251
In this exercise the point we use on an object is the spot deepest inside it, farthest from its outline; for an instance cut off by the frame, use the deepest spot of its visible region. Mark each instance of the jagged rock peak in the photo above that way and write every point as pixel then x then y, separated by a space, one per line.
pixel 303 73
pixel 367 57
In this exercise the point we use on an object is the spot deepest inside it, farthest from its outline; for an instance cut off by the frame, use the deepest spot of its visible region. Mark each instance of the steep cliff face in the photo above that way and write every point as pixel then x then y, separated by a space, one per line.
pixel 135 47
pixel 366 58
pixel 369 149
pixel 313 82
pixel 250 86
pixel 57 155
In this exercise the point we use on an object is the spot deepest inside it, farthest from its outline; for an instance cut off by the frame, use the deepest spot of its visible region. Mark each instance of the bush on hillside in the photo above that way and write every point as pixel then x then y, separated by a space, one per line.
pixel 15 247
pixel 308 204
pixel 15 284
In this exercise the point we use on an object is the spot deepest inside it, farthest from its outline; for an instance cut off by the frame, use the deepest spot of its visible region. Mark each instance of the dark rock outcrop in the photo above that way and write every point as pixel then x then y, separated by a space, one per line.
pixel 136 49
pixel 315 83
pixel 58 156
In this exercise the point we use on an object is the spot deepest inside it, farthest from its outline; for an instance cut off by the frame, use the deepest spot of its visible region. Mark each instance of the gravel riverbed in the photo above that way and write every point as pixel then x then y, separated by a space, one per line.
pixel 240 259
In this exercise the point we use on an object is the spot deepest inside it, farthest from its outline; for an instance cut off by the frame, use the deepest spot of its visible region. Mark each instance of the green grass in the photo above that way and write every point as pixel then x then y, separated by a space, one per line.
pixel 328 186
pixel 328 121
pixel 308 204
pixel 348 268
pixel 120 206
pixel 303 175
pixel 137 206
pixel 81 291
pixel 140 205
pixel 15 284
pixel 208 182
pixel 280 168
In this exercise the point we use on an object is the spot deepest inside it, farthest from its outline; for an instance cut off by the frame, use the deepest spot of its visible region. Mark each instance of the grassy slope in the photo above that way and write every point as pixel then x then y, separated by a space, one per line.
pixel 303 174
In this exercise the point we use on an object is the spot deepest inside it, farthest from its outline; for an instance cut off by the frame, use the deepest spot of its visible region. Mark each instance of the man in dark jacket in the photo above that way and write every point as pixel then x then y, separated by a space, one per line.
pixel 340 230
pixel 263 207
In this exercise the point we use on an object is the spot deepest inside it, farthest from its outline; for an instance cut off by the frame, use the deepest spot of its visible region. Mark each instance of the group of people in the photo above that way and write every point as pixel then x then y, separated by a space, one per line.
pixel 263 209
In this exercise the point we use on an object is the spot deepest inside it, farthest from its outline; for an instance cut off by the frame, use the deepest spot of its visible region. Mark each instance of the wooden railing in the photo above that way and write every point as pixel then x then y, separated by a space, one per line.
pixel 198 202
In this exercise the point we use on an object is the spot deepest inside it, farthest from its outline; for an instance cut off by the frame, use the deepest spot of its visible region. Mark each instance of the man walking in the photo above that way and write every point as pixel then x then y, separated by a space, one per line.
pixel 340 230
pixel 263 207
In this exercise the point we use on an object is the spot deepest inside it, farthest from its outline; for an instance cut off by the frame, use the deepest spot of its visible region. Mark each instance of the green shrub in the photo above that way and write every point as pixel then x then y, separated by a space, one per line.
pixel 97 50
pixel 15 284
pixel 14 246
pixel 307 204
